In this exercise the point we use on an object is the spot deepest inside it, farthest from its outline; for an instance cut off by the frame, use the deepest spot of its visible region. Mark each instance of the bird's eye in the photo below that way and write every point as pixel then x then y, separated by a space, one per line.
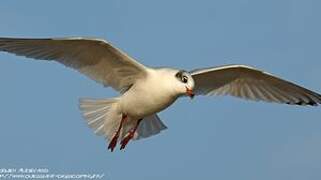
pixel 180 76
pixel 184 79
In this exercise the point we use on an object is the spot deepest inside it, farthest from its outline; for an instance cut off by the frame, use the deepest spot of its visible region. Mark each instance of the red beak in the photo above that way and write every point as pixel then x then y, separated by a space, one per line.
pixel 189 93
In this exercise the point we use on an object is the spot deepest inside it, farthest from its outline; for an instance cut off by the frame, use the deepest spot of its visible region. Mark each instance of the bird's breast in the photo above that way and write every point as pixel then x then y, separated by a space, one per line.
pixel 142 102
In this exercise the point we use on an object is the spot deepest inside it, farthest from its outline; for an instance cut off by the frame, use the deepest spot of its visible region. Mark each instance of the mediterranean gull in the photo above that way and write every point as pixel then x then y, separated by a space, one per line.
pixel 145 91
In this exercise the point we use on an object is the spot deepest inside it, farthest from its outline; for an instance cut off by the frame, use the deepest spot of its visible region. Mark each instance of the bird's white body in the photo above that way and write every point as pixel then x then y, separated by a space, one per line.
pixel 149 96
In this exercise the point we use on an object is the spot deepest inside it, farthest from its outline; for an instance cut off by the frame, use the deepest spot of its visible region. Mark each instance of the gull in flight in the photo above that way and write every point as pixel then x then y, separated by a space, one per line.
pixel 145 91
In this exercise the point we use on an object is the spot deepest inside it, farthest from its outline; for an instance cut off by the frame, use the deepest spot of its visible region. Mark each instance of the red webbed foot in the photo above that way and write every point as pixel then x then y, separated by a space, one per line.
pixel 129 136
pixel 113 142
pixel 126 139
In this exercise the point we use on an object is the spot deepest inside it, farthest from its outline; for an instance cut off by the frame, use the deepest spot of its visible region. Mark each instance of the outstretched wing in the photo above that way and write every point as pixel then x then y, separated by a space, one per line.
pixel 95 58
pixel 151 125
pixel 249 83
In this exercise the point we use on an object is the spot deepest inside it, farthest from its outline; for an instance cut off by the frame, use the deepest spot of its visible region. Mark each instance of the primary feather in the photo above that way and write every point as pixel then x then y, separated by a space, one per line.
pixel 95 58
pixel 250 83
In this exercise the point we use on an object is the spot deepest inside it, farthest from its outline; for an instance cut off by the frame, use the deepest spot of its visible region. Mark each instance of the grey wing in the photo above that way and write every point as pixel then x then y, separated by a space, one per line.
pixel 95 58
pixel 150 126
pixel 250 83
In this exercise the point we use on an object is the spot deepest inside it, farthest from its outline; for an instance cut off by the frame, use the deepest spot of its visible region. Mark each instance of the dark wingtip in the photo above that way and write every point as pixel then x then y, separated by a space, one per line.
pixel 312 103
pixel 301 103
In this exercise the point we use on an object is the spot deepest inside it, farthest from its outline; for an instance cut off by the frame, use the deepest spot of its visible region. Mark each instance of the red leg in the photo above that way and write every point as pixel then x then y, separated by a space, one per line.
pixel 113 142
pixel 129 136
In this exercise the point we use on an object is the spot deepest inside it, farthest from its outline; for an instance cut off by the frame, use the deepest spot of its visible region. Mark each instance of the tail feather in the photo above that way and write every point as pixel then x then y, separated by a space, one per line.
pixel 99 115
pixel 104 118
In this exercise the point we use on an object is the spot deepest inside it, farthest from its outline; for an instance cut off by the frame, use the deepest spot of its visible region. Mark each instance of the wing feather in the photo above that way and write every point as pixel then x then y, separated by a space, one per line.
pixel 95 58
pixel 250 83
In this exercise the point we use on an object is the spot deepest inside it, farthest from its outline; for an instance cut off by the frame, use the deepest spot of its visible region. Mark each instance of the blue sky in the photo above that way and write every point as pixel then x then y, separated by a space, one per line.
pixel 210 137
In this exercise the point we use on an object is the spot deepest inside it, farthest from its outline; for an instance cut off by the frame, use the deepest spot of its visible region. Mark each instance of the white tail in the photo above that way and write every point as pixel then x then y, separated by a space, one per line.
pixel 104 118
pixel 101 115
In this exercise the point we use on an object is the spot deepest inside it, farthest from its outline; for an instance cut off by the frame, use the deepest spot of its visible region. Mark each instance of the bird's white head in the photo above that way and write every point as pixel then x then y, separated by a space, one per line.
pixel 176 82
pixel 184 83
